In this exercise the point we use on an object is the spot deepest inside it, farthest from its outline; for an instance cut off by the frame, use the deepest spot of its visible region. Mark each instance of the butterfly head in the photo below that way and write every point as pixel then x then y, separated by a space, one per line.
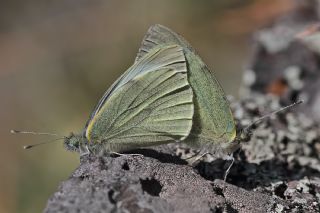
pixel 244 135
pixel 73 142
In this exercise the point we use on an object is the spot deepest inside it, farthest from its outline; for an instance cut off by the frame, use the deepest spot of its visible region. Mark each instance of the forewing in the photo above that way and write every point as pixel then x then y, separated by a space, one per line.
pixel 165 57
pixel 213 118
pixel 151 109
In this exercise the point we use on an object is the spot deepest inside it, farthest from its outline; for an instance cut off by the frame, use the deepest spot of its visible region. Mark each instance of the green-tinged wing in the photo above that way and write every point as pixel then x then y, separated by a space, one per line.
pixel 213 120
pixel 152 108
pixel 166 57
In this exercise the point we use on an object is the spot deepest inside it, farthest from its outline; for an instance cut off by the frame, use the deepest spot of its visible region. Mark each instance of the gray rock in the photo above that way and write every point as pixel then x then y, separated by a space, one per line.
pixel 269 175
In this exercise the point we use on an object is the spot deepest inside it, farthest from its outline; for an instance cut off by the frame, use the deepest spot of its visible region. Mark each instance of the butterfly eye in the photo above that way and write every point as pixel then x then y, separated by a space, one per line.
pixel 72 142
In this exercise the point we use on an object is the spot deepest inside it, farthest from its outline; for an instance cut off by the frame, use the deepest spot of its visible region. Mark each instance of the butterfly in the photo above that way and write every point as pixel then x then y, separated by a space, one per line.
pixel 213 128
pixel 167 95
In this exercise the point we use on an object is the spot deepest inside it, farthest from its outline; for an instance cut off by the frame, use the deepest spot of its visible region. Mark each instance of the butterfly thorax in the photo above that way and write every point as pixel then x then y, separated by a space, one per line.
pixel 221 146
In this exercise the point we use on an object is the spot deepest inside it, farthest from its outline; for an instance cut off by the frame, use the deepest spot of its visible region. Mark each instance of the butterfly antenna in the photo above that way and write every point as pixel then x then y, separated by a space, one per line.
pixel 13 131
pixel 38 144
pixel 273 113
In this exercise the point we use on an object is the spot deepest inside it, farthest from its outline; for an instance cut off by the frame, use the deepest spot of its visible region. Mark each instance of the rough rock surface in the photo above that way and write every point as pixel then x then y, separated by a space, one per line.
pixel 278 170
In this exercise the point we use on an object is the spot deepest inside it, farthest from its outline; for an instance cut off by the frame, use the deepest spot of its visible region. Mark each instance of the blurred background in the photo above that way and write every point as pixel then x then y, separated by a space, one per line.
pixel 58 57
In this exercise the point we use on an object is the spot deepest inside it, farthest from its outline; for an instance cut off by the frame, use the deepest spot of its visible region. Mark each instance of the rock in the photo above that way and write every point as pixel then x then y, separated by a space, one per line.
pixel 135 184
pixel 269 174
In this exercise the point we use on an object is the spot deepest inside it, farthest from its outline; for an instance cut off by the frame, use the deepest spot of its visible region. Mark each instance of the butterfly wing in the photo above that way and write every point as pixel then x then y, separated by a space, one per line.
pixel 154 107
pixel 170 56
pixel 213 119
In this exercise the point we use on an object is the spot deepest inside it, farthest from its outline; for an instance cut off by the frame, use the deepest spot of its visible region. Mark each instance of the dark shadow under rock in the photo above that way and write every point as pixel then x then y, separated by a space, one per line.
pixel 164 154
pixel 249 176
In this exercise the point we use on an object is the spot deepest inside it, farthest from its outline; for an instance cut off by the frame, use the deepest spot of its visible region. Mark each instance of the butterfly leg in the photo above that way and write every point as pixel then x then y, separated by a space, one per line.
pixel 192 156
pixel 227 172
pixel 229 167
pixel 199 157
pixel 84 151
pixel 119 154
